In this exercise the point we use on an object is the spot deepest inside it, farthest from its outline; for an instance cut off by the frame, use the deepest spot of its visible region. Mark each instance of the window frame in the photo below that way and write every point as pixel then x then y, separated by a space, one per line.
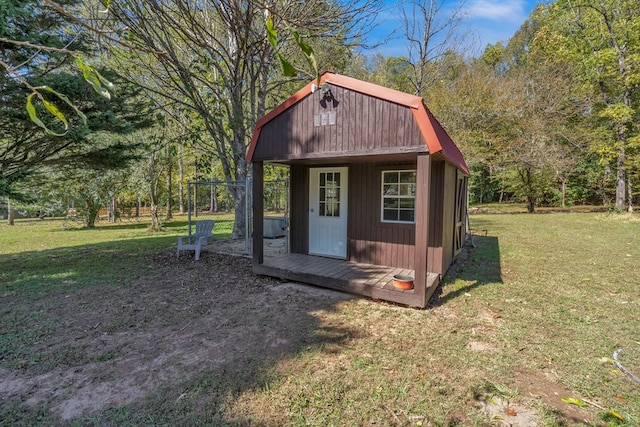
pixel 329 203
pixel 399 197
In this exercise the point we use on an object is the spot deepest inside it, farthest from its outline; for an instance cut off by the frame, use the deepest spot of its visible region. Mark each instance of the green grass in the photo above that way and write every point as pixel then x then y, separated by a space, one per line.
pixel 39 258
pixel 542 296
pixel 522 208
pixel 568 295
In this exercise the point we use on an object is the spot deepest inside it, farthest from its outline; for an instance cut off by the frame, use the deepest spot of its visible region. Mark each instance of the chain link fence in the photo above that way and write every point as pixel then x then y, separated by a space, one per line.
pixel 217 200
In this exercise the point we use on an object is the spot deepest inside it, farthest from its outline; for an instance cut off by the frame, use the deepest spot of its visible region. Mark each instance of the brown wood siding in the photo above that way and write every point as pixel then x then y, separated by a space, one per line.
pixel 363 125
pixel 299 226
pixel 258 209
pixel 423 197
pixel 434 254
pixel 371 241
pixel 449 212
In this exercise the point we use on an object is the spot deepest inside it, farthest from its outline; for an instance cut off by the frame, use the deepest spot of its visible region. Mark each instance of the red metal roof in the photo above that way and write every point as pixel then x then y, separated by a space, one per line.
pixel 435 137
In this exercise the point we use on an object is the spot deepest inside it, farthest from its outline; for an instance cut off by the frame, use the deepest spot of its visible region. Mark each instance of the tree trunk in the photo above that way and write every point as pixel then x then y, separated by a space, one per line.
pixel 630 197
pixel 10 216
pixel 91 209
pixel 216 208
pixel 212 198
pixel 154 169
pixel 111 214
pixel 621 177
pixel 180 180
pixel 195 189
pixel 527 181
pixel 240 192
pixel 621 51
pixel 169 214
pixel 531 205
pixel 213 203
pixel 240 208
pixel 603 188
pixel 153 202
pixel 155 221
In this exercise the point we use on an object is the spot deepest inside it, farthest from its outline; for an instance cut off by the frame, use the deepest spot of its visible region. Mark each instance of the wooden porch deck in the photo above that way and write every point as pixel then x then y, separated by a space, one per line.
pixel 374 281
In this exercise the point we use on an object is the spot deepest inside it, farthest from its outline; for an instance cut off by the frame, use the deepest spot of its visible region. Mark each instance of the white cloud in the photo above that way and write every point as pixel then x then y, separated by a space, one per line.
pixel 497 10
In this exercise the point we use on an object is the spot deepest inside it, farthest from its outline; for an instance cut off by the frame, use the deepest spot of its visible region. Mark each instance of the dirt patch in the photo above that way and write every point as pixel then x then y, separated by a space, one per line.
pixel 507 413
pixel 481 346
pixel 115 344
pixel 536 402
pixel 242 247
pixel 541 388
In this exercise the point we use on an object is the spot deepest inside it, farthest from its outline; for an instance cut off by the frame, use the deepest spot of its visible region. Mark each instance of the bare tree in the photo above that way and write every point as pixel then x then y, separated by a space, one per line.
pixel 212 57
pixel 431 28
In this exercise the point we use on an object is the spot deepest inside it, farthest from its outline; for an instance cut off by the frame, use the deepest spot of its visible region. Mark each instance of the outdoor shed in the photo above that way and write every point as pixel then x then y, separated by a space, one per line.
pixel 377 187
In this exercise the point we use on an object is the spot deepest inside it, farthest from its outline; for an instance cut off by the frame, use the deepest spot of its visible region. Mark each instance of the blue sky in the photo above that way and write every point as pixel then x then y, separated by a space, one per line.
pixel 486 21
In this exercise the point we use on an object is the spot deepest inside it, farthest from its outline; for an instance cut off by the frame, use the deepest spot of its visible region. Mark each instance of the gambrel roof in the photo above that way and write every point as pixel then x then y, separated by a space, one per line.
pixel 433 136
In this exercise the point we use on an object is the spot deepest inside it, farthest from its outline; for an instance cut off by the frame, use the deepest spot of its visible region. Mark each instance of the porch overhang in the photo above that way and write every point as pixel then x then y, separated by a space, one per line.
pixel 391 154
pixel 362 279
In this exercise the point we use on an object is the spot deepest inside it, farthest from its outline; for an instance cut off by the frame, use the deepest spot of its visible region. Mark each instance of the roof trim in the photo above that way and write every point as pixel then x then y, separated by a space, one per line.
pixel 435 137
pixel 385 93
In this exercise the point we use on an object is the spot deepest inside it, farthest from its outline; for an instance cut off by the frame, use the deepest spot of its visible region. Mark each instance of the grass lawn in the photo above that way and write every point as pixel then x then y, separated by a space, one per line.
pixel 55 256
pixel 533 314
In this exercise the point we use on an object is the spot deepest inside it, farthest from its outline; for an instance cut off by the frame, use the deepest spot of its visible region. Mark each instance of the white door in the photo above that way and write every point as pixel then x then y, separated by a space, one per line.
pixel 328 212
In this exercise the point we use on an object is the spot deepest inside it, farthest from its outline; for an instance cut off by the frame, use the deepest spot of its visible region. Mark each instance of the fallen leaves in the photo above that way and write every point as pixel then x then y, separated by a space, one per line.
pixel 583 403
pixel 615 414
pixel 574 401
pixel 511 412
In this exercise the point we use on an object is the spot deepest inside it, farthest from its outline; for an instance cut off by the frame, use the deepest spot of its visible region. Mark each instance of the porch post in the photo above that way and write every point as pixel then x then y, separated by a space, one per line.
pixel 423 200
pixel 258 212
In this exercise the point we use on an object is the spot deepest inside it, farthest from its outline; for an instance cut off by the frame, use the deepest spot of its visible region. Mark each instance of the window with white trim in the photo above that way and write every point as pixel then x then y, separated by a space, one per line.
pixel 399 196
pixel 329 194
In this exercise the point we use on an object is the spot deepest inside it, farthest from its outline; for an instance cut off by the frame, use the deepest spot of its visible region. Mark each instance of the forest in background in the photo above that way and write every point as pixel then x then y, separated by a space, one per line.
pixel 547 118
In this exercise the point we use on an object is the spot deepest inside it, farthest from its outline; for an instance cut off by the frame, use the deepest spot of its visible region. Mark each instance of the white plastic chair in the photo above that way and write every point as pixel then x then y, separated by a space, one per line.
pixel 195 242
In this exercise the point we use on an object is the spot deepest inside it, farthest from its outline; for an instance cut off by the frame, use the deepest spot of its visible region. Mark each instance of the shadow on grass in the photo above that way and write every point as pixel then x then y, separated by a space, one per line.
pixel 122 333
pixel 35 274
pixel 477 267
